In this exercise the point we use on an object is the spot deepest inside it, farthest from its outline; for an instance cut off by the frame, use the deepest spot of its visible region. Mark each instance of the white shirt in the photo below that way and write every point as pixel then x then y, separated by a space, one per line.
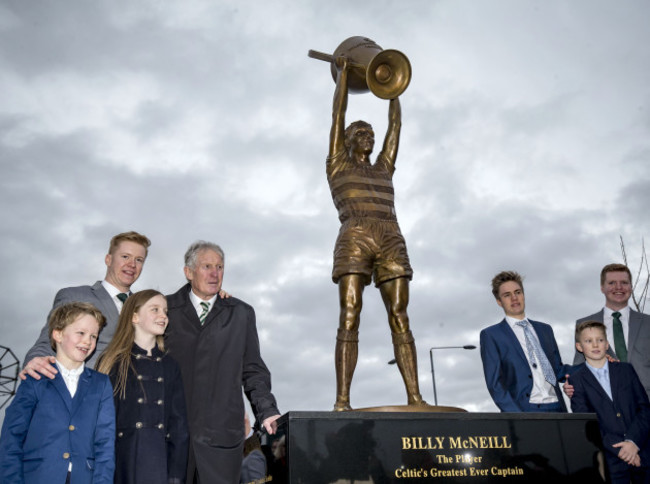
pixel 70 377
pixel 543 391
pixel 113 292
pixel 608 321
pixel 196 302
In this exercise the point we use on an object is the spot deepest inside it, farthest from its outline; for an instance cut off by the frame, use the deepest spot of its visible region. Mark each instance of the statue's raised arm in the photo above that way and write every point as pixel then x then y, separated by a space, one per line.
pixel 391 141
pixel 340 105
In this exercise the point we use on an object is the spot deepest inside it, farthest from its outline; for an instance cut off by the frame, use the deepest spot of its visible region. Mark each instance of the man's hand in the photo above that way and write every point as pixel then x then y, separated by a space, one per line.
pixel 223 294
pixel 270 424
pixel 629 451
pixel 611 359
pixel 568 388
pixel 39 365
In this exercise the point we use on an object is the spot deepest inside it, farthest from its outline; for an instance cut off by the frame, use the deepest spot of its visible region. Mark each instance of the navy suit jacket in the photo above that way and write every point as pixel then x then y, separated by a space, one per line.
pixel 507 372
pixel 627 416
pixel 95 295
pixel 45 428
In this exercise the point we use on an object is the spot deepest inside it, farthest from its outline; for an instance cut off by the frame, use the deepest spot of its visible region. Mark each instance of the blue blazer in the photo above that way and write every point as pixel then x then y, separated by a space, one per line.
pixel 627 416
pixel 45 428
pixel 507 372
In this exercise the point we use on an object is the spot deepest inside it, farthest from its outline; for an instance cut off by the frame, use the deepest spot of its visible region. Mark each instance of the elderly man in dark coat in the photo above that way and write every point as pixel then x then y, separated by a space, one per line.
pixel 216 344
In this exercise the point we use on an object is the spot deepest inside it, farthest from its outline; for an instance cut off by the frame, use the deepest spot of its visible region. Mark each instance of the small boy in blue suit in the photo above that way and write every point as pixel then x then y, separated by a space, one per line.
pixel 63 430
pixel 614 392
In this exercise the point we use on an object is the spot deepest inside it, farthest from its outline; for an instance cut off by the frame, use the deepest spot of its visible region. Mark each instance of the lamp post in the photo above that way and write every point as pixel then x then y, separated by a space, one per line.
pixel 433 373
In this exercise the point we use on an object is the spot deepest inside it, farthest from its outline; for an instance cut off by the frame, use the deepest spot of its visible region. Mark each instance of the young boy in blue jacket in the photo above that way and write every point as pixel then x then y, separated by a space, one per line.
pixel 614 392
pixel 63 430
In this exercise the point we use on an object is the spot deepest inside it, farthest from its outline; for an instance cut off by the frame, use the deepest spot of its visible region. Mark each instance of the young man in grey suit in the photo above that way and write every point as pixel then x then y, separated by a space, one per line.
pixel 627 330
pixel 126 255
pixel 214 340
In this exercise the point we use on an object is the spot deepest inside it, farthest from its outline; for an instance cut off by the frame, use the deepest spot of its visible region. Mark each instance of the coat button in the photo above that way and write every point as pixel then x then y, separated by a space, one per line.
pixel 66 455
pixel 138 425
pixel 160 379
pixel 137 357
pixel 139 377
pixel 140 400
pixel 158 358
pixel 120 434
pixel 160 402
pixel 160 426
pixel 618 415
pixel 71 428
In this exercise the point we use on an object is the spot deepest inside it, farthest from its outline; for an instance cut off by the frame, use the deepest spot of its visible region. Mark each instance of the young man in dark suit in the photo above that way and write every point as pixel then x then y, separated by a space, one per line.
pixel 521 360
pixel 613 391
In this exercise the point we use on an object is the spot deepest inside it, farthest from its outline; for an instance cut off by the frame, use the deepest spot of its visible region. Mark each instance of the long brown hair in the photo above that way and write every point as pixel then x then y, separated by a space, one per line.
pixel 118 352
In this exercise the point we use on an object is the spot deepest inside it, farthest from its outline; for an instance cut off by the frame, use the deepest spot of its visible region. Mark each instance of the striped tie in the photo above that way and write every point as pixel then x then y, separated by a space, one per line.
pixel 204 313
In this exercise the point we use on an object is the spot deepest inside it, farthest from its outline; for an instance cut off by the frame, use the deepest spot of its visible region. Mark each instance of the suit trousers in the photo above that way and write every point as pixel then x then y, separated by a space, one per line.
pixel 216 465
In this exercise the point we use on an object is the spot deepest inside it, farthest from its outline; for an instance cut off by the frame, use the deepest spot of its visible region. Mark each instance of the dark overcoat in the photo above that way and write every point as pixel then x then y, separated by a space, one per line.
pixel 151 444
pixel 217 359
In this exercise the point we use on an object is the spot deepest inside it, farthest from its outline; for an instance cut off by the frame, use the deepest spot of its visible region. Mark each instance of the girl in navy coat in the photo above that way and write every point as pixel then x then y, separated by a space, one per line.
pixel 151 443
pixel 62 429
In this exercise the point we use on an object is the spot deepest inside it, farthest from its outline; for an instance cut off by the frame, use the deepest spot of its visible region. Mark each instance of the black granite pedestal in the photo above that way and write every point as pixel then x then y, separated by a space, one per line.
pixel 379 448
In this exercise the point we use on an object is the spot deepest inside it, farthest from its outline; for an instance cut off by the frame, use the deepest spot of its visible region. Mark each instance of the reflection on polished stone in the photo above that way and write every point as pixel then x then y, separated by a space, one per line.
pixel 453 446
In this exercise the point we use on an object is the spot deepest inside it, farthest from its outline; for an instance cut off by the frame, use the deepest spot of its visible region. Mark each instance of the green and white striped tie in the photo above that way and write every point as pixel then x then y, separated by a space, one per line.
pixel 204 313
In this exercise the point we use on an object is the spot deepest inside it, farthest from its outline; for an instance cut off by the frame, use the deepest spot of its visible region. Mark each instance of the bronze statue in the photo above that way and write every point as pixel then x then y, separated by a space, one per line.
pixel 369 244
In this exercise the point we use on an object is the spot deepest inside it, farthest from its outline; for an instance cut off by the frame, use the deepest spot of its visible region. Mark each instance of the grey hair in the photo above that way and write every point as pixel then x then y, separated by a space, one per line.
pixel 194 249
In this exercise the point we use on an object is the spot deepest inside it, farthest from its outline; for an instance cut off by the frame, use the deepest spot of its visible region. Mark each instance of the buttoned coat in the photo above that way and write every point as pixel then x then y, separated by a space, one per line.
pixel 152 438
pixel 217 359
pixel 95 295
pixel 45 429
pixel 638 344
pixel 625 416
pixel 507 371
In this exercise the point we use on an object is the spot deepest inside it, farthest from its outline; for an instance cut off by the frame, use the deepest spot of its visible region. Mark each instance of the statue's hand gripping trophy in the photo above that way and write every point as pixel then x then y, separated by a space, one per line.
pixel 370 245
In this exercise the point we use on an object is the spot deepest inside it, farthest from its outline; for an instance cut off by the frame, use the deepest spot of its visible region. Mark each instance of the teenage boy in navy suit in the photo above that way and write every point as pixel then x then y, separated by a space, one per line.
pixel 63 429
pixel 614 392
pixel 521 360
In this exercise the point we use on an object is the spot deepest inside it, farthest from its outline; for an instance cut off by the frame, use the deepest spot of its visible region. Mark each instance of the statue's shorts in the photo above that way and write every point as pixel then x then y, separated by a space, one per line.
pixel 373 248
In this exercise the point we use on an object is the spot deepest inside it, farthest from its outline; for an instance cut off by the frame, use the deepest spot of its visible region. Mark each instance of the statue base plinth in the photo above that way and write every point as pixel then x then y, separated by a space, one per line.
pixel 418 444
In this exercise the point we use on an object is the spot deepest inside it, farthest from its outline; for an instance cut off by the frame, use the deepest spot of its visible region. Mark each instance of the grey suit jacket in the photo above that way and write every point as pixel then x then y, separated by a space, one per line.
pixel 97 296
pixel 638 344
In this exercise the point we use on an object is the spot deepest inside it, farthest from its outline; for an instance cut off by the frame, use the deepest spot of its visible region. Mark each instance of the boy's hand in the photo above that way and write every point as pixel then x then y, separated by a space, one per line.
pixel 39 365
pixel 567 387
pixel 629 451
pixel 637 461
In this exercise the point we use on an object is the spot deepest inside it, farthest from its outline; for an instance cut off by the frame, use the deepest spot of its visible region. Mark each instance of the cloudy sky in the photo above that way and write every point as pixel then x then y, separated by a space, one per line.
pixel 524 146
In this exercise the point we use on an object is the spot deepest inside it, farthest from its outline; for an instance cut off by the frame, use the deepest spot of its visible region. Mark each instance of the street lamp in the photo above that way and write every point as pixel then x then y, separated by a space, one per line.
pixel 433 373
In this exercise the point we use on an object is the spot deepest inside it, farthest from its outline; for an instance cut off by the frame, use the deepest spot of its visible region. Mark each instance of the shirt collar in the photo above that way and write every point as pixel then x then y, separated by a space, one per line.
pixel 513 321
pixel 625 312
pixel 196 300
pixel 603 369
pixel 112 290
pixel 70 373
